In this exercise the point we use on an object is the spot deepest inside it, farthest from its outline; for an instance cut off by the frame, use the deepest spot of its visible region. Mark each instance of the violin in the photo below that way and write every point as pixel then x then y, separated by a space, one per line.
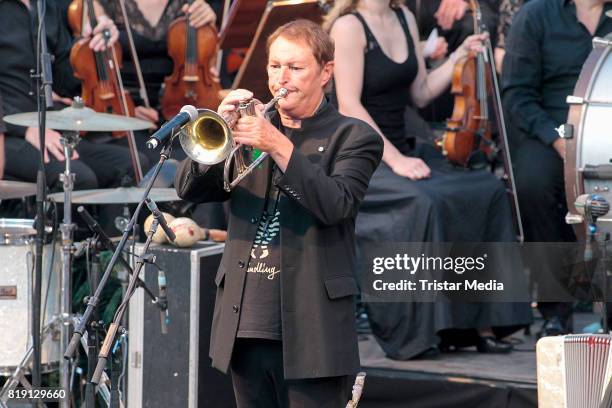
pixel 468 132
pixel 75 17
pixel 190 83
pixel 101 85
pixel 98 72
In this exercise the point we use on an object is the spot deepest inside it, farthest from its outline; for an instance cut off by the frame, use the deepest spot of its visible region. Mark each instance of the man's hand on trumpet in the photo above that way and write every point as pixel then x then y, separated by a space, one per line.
pixel 257 131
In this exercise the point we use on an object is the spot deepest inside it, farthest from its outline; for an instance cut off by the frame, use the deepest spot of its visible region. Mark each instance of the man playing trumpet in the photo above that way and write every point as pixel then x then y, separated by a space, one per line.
pixel 284 315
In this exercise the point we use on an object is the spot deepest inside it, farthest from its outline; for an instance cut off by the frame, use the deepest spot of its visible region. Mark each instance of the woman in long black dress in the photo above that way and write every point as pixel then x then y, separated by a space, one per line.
pixel 416 195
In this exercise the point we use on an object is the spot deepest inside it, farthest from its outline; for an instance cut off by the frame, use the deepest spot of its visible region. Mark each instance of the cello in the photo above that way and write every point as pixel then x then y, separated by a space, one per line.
pixel 102 89
pixel 468 131
pixel 190 82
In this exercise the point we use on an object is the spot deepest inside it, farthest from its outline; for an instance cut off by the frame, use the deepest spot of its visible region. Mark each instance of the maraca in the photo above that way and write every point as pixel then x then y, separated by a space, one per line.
pixel 160 236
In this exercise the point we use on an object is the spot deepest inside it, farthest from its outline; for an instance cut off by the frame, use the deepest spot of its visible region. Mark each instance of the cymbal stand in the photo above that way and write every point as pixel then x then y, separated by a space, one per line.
pixel 69 141
pixel 93 328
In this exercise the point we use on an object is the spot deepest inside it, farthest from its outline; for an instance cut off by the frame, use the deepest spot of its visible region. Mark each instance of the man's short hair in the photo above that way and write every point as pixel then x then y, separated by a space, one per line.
pixel 309 32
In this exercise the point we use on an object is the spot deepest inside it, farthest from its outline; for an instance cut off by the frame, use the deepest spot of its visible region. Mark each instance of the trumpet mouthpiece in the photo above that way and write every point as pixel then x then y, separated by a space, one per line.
pixel 282 93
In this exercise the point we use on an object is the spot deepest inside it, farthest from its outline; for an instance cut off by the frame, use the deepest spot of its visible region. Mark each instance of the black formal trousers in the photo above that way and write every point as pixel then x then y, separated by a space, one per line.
pixel 258 379
pixel 100 165
pixel 541 193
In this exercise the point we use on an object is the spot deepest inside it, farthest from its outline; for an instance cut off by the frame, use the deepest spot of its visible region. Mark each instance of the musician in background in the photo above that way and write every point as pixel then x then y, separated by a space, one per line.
pixel 455 23
pixel 284 314
pixel 149 21
pixel 95 165
pixel 2 130
pixel 416 195
pixel 507 11
pixel 549 42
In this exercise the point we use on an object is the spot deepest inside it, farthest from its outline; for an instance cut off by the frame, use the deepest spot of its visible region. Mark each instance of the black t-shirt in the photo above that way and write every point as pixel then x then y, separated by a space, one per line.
pixel 260 316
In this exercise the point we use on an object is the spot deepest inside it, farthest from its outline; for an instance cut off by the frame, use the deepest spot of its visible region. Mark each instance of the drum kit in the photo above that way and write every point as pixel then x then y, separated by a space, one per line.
pixel 16 251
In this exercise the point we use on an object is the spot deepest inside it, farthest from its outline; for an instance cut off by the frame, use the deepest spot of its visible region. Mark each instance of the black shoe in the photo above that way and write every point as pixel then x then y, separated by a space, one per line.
pixel 488 344
pixel 552 327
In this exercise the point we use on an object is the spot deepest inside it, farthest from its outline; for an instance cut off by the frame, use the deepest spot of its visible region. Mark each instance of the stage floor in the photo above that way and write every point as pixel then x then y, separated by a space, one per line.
pixel 463 378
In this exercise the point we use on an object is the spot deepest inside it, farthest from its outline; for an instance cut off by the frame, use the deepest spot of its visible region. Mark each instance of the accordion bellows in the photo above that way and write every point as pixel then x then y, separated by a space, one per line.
pixel 574 371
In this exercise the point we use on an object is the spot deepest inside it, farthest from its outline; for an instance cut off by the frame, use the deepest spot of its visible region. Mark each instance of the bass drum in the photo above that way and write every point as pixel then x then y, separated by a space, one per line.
pixel 588 158
pixel 16 276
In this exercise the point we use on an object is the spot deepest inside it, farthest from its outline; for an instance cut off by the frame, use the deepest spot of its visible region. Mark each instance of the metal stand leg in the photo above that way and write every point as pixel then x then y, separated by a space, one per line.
pixel 70 140
pixel 19 374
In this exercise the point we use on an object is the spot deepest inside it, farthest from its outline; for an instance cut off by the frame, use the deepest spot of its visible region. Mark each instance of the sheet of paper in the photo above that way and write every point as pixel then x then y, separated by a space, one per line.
pixel 430 44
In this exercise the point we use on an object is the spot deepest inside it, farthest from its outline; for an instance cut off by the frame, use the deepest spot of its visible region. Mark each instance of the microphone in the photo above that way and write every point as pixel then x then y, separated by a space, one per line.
pixel 162 301
pixel 96 229
pixel 160 217
pixel 187 114
pixel 591 206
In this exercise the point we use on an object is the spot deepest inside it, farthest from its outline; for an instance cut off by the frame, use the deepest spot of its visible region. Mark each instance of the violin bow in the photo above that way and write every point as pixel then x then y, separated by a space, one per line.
pixel 142 89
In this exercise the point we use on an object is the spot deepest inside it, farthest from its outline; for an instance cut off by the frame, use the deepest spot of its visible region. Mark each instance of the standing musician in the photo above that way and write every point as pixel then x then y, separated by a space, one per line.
pixel 548 44
pixel 95 165
pixel 284 315
pixel 149 22
pixel 416 195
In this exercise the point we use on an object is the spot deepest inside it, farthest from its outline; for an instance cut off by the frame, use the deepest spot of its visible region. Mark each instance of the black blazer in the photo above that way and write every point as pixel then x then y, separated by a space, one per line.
pixel 326 179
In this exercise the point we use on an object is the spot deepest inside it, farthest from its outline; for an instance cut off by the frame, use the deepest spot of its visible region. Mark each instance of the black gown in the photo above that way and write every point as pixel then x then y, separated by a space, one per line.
pixel 452 205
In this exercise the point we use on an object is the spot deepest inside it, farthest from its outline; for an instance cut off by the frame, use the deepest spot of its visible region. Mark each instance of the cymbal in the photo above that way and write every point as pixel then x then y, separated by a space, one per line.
pixel 121 195
pixel 16 189
pixel 79 118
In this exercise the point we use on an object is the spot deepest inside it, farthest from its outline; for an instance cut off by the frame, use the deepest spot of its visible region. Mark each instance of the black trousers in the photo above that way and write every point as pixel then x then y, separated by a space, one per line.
pixel 100 165
pixel 258 380
pixel 541 194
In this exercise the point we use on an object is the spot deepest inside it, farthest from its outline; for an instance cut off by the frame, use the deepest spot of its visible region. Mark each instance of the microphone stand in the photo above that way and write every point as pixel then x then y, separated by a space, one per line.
pixel 44 80
pixel 115 326
pixel 93 301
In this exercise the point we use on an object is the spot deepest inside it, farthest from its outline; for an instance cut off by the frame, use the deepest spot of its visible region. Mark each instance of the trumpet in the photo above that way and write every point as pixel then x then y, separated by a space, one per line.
pixel 208 139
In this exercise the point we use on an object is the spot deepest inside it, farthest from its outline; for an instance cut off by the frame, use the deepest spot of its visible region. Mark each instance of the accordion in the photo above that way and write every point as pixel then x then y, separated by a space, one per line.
pixel 574 371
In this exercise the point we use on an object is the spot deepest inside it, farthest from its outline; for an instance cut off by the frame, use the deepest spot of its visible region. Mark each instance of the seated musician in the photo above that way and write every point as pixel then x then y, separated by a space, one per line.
pixel 548 43
pixel 415 195
pixel 455 23
pixel 2 130
pixel 149 22
pixel 95 165
pixel 298 349
pixel 507 11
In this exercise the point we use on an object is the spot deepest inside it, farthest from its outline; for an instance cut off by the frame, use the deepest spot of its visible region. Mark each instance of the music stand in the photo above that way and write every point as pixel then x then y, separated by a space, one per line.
pixel 252 74
pixel 241 24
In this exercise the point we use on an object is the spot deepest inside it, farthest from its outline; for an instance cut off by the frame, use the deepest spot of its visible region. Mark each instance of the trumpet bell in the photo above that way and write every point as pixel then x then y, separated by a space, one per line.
pixel 207 139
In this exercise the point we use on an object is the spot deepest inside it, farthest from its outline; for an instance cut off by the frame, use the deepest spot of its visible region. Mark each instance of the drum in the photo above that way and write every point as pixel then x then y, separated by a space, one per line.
pixel 16 277
pixel 588 159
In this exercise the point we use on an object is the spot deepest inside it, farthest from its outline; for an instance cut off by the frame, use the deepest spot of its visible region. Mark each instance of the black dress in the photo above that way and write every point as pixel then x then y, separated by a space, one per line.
pixel 452 205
